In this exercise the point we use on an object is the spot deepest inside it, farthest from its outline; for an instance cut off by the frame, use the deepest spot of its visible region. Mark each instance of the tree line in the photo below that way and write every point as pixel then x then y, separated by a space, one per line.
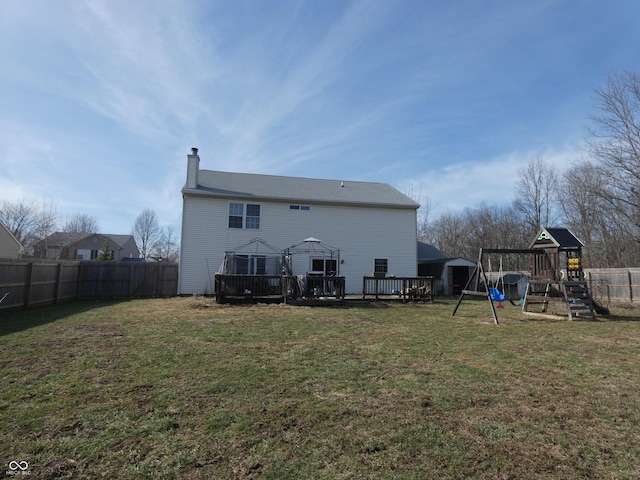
pixel 597 197
pixel 32 223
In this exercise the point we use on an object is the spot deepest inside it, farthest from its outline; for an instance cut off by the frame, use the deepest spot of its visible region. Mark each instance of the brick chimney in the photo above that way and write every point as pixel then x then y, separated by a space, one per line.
pixel 193 166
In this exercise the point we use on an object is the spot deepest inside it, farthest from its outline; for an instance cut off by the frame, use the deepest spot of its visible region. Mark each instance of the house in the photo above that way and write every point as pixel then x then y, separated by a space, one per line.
pixel 86 246
pixel 372 226
pixel 450 275
pixel 10 247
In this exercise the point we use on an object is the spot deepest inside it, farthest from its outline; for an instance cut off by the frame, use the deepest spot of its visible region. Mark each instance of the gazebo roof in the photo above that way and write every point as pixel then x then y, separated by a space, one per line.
pixel 257 245
pixel 313 245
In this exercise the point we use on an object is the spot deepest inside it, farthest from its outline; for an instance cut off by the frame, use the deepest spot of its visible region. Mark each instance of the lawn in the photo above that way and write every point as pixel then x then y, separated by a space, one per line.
pixel 184 388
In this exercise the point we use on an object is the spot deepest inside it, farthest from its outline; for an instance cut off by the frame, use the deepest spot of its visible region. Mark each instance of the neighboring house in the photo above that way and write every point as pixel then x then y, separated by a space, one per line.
pixel 371 224
pixel 10 247
pixel 450 275
pixel 86 246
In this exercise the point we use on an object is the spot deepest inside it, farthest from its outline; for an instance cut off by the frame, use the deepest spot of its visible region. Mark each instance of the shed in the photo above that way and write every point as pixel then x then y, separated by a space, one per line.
pixel 450 275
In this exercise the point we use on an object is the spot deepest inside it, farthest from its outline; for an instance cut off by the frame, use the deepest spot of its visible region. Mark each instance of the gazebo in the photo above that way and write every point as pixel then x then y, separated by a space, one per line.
pixel 323 278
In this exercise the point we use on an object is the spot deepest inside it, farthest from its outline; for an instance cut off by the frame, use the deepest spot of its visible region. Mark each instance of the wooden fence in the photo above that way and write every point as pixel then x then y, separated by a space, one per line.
pixel 614 284
pixel 37 282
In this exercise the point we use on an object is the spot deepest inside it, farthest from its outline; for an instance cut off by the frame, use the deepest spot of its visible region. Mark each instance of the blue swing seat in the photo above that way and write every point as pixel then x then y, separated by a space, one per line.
pixel 496 295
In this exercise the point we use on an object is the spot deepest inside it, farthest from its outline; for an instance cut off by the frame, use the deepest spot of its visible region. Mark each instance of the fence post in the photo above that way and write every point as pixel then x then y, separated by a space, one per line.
pixel 158 281
pixel 29 279
pixel 132 280
pixel 79 277
pixel 630 286
pixel 58 280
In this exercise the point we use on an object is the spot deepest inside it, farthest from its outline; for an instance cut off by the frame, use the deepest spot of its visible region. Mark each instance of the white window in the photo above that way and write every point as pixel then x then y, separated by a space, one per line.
pixel 324 266
pixel 253 216
pixel 244 216
pixel 236 214
pixel 251 265
pixel 86 254
pixel 381 265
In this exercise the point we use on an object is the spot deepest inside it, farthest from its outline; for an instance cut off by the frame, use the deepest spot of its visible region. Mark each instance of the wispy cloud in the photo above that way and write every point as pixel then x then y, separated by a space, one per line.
pixel 102 96
pixel 452 188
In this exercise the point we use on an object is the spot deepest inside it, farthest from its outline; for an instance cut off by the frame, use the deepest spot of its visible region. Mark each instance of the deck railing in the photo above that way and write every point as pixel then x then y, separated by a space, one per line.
pixel 248 286
pixel 406 288
pixel 317 286
pixel 253 288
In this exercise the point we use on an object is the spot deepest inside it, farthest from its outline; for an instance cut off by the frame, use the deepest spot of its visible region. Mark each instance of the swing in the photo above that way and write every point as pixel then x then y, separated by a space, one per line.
pixel 494 292
pixel 496 296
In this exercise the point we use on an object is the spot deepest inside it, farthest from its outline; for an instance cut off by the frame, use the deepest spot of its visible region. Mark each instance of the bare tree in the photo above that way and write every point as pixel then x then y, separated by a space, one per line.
pixel 493 227
pixel 617 244
pixel 424 219
pixel 81 223
pixel 46 221
pixel 20 218
pixel 146 232
pixel 536 195
pixel 28 222
pixel 166 247
pixel 615 142
pixel 448 234
pixel 585 212
pixel 424 212
pixel 464 234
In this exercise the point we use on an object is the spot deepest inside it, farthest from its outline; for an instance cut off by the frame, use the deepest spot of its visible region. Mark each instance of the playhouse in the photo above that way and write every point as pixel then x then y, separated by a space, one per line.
pixel 555 277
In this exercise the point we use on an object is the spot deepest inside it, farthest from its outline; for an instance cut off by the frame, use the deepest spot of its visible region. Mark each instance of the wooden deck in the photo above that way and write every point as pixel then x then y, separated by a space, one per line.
pixel 317 289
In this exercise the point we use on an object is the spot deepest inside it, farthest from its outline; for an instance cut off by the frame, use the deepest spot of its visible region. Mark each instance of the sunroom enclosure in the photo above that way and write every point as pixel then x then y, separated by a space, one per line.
pixel 257 271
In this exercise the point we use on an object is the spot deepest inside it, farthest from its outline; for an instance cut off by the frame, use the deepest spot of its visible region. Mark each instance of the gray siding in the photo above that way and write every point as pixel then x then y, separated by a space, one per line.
pixel 129 250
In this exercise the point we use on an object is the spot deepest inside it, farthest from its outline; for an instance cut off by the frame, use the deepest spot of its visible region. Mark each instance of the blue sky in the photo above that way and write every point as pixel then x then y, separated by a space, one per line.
pixel 101 101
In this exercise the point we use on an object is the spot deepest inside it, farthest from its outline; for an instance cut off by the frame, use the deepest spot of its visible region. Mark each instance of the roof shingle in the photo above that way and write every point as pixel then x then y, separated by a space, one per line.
pixel 295 189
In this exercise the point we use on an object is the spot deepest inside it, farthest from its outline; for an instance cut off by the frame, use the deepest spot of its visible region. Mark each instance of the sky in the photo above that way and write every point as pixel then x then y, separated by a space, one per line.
pixel 102 101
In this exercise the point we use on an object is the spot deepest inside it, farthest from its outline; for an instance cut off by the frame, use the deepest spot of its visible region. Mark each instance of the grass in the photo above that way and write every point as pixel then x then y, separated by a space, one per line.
pixel 183 388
